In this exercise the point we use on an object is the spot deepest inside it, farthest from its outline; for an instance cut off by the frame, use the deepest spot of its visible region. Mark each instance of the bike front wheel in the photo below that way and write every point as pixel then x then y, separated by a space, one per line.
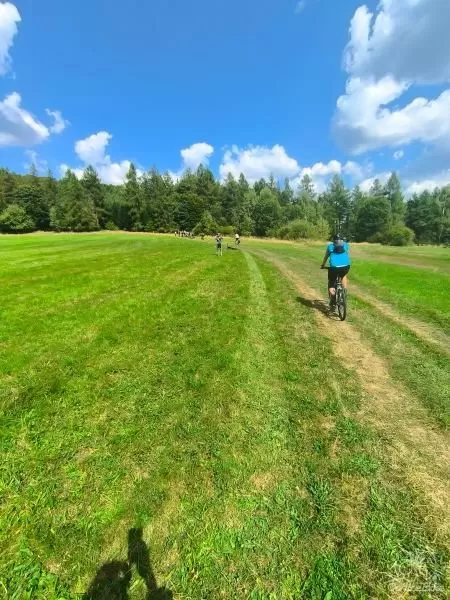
pixel 342 303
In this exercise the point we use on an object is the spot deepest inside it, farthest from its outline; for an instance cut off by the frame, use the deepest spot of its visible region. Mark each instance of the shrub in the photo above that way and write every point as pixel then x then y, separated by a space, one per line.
pixel 399 236
pixel 206 225
pixel 228 230
pixel 14 219
pixel 322 230
pixel 377 238
pixel 110 226
pixel 299 229
pixel 283 232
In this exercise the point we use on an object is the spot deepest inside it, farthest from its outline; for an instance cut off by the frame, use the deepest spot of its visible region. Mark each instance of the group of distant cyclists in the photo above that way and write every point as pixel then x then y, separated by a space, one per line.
pixel 219 242
pixel 337 253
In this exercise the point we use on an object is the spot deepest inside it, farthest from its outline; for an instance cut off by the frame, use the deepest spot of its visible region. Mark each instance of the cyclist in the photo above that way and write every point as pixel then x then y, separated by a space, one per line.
pixel 237 239
pixel 219 239
pixel 338 253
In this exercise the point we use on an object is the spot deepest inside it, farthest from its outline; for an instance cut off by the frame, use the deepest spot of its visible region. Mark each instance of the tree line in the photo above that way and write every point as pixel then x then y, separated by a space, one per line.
pixel 199 203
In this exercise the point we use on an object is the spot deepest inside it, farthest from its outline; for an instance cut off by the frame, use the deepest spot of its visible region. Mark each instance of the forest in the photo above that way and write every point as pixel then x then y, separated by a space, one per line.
pixel 198 202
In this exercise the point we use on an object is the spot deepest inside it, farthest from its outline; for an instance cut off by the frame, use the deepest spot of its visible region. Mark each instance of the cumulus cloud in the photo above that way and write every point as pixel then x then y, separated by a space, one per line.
pixel 398 155
pixel 406 38
pixel 92 151
pixel 59 122
pixel 403 44
pixel 9 18
pixel 192 157
pixel 321 173
pixel 368 183
pixel 196 155
pixel 363 121
pixel 18 127
pixel 439 180
pixel 260 162
pixel 257 162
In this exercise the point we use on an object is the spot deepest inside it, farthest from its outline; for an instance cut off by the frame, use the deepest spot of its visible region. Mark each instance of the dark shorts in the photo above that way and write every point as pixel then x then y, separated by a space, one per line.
pixel 334 273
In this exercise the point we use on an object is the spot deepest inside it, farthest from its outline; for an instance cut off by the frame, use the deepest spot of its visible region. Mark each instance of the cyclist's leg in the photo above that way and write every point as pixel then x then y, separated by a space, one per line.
pixel 332 280
pixel 345 277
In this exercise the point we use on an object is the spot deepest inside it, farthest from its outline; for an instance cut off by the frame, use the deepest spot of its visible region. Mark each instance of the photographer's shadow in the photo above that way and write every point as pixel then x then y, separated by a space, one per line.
pixel 113 579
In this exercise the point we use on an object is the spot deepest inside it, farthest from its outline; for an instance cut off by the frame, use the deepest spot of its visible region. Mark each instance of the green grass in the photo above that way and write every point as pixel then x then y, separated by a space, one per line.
pixel 145 382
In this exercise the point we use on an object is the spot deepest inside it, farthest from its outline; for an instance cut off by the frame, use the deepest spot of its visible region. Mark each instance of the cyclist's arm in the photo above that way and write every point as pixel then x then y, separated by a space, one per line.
pixel 325 258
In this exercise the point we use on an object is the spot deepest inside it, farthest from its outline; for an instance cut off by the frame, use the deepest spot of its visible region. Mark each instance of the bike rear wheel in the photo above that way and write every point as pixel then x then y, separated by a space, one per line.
pixel 341 301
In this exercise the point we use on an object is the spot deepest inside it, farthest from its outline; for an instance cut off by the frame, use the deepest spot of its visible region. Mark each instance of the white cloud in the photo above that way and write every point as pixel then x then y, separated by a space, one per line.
pixel 363 122
pixel 301 5
pixel 192 157
pixel 9 17
pixel 356 170
pixel 257 162
pixel 196 155
pixel 92 151
pixel 439 180
pixel 60 123
pixel 321 173
pixel 398 155
pixel 406 38
pixel 18 127
pixel 366 185
pixel 403 44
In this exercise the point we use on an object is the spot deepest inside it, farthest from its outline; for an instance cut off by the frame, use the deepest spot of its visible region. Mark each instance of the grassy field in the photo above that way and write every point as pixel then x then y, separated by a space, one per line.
pixel 203 419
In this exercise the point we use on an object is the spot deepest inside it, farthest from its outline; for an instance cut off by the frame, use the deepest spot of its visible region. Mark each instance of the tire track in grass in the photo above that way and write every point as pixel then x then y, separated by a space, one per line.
pixel 259 374
pixel 421 330
pixel 414 446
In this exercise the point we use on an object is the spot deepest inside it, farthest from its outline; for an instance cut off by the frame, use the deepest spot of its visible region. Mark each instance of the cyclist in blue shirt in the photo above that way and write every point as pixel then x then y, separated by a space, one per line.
pixel 338 253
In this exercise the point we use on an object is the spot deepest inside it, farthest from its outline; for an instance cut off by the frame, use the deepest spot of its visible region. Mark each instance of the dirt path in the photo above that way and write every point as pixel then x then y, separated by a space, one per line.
pixel 416 449
pixel 422 330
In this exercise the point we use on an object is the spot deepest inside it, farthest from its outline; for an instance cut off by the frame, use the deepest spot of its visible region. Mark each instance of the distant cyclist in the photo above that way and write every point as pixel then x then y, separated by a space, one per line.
pixel 338 253
pixel 219 239
pixel 237 239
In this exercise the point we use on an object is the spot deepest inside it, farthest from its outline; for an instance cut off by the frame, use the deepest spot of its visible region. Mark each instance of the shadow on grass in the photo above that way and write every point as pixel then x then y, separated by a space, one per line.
pixel 113 579
pixel 320 305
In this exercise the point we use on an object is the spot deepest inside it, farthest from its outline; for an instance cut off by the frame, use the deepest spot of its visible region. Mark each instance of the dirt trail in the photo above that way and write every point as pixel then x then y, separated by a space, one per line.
pixel 416 449
pixel 422 330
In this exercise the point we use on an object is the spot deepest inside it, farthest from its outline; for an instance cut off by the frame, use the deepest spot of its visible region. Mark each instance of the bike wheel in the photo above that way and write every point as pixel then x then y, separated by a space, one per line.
pixel 342 304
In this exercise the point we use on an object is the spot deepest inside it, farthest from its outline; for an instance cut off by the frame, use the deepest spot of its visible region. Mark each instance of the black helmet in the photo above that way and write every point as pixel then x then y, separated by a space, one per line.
pixel 337 237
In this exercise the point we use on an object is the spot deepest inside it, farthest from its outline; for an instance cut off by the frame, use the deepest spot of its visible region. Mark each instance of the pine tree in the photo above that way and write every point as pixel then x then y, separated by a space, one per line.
pixel 133 199
pixel 287 194
pixel 373 219
pixel 336 206
pixel 190 205
pixel 33 198
pixel 230 198
pixel 50 190
pixel 266 213
pixel 74 210
pixel 393 191
pixel 94 188
pixel 7 188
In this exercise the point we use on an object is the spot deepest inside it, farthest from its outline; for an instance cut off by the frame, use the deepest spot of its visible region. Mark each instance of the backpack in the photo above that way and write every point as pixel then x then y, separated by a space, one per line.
pixel 339 247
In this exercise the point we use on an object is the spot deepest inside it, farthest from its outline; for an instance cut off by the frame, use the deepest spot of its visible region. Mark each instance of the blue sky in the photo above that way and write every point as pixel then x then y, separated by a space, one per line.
pixel 248 85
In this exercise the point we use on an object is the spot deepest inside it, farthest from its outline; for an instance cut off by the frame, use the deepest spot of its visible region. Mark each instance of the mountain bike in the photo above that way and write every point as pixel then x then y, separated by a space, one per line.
pixel 338 301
